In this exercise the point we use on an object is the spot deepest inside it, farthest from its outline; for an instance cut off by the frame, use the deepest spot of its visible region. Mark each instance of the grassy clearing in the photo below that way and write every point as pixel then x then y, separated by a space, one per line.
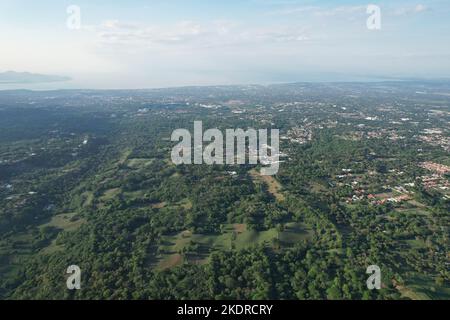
pixel 416 204
pixel 234 236
pixel 294 233
pixel 134 194
pixel 413 211
pixel 52 248
pixel 411 294
pixel 240 228
pixel 317 187
pixel 415 244
pixel 139 163
pixel 274 187
pixel 158 205
pixel 252 237
pixel 110 194
pixel 64 222
pixel 124 157
pixel 88 197
pixel 423 287
pixel 170 262
pixel 185 204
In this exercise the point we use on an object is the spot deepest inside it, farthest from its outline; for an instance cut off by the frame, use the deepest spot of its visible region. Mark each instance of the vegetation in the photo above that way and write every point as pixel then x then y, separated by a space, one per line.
pixel 86 179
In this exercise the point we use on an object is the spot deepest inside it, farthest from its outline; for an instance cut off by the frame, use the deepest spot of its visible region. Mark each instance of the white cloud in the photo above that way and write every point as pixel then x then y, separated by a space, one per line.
pixel 189 33
pixel 117 25
pixel 420 8
pixel 410 10
pixel 113 31
pixel 319 11
pixel 344 10
pixel 295 10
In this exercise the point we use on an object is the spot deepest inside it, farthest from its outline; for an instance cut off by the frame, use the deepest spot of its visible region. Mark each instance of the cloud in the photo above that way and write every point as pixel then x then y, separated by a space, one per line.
pixel 411 10
pixel 295 10
pixel 117 25
pixel 214 34
pixel 344 10
pixel 319 11
pixel 113 31
pixel 420 8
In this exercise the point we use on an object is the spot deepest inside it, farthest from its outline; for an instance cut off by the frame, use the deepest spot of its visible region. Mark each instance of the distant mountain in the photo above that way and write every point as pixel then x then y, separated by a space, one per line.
pixel 27 77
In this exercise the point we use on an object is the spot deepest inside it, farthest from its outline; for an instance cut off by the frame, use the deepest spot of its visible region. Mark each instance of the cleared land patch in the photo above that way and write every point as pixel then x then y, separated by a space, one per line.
pixel 139 163
pixel 65 222
pixel 274 187
pixel 196 248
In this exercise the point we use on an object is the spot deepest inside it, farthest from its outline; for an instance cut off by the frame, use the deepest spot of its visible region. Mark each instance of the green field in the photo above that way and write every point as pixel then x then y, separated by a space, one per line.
pixel 235 236
pixel 139 163
pixel 65 222
pixel 423 287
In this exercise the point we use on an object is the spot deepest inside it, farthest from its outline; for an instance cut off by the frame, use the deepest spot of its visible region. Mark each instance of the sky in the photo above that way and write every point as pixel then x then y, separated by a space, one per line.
pixel 166 43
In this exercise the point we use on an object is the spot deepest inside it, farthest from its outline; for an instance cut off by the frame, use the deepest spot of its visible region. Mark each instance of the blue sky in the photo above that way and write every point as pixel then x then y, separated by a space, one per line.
pixel 140 44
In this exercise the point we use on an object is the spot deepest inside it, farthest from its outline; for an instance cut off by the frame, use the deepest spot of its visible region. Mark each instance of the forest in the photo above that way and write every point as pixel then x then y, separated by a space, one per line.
pixel 90 182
